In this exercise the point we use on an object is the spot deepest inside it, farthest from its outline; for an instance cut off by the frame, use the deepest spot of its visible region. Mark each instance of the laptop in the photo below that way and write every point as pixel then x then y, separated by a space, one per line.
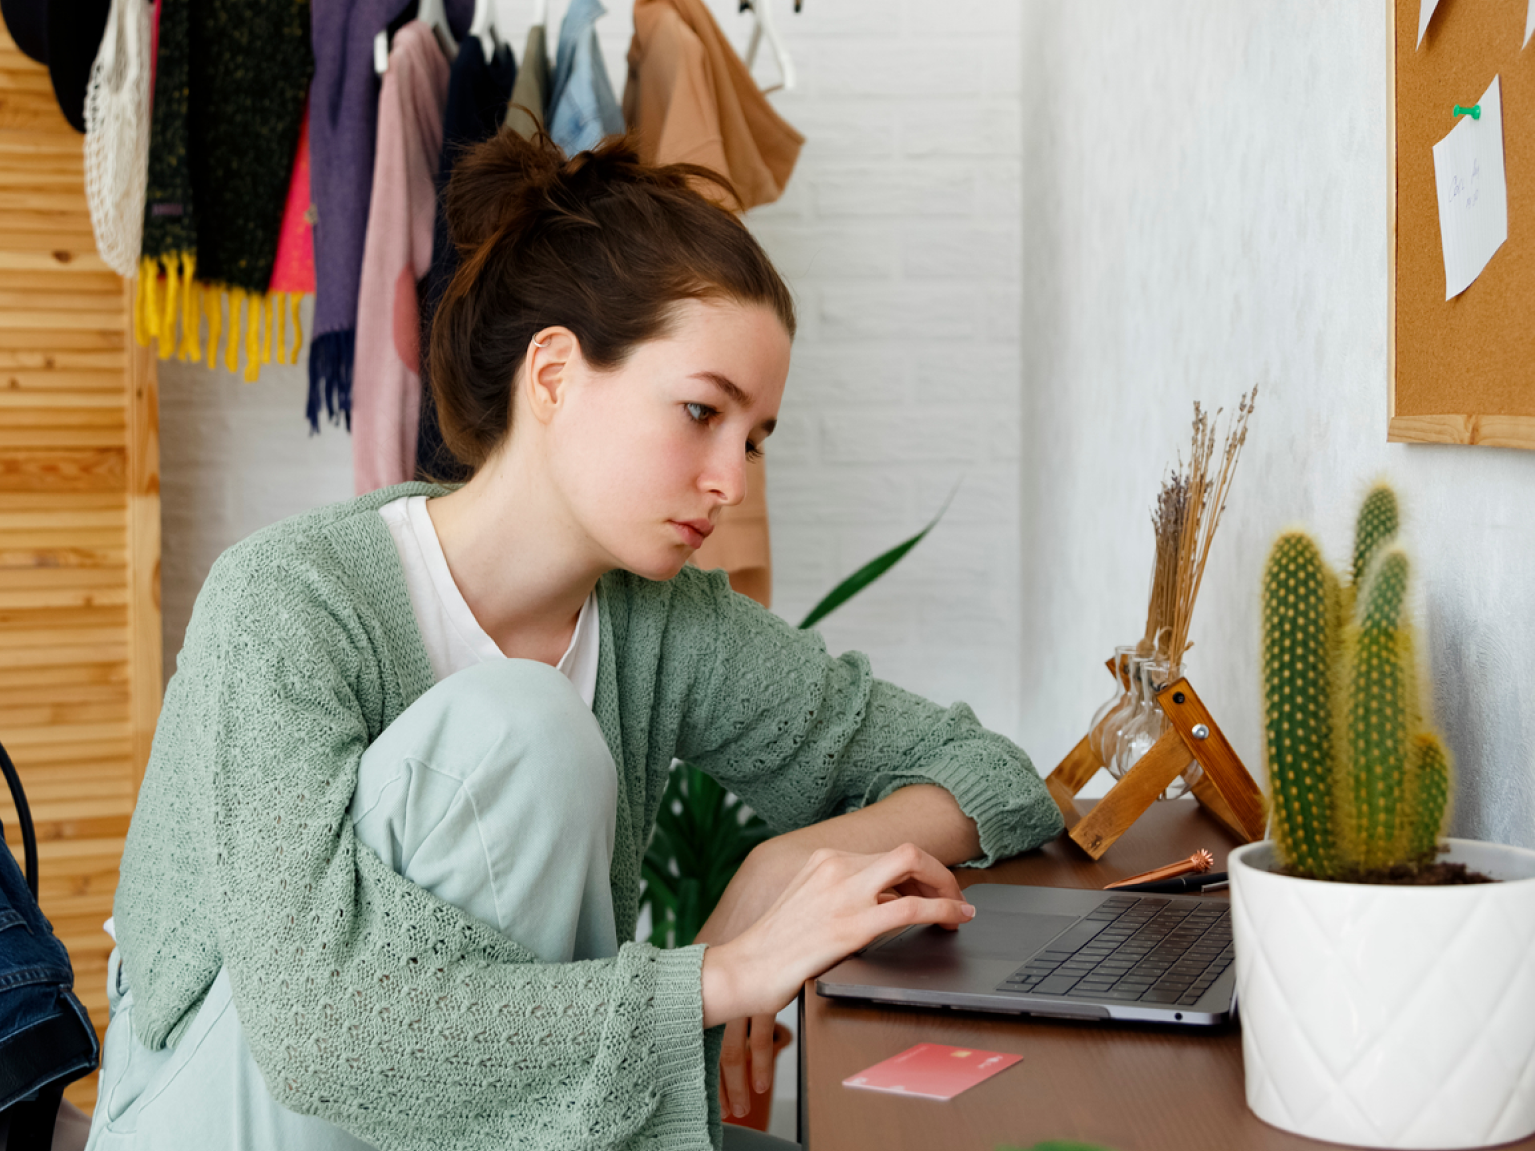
pixel 1058 952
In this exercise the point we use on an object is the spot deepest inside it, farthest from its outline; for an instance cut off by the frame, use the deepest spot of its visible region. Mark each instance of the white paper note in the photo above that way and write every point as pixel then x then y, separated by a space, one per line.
pixel 1529 23
pixel 1473 195
pixel 1425 14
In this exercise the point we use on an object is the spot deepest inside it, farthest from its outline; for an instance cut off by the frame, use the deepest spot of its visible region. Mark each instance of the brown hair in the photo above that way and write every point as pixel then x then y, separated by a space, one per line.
pixel 601 244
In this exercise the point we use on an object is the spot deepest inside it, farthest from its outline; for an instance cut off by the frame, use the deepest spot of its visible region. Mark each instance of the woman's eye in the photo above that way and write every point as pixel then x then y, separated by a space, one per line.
pixel 753 451
pixel 699 413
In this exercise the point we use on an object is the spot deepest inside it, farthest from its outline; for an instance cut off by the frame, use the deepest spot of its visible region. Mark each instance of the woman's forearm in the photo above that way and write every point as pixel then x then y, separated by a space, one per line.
pixel 923 814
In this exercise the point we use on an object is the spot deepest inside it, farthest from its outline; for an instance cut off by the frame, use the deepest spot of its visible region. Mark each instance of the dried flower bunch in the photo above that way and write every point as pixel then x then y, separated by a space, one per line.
pixel 1187 513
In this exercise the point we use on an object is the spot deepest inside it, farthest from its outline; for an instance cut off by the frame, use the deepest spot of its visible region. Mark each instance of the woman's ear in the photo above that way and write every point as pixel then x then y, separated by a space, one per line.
pixel 553 355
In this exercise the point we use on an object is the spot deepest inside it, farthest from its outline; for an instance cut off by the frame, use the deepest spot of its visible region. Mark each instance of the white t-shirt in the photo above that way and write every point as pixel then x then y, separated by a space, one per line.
pixel 454 638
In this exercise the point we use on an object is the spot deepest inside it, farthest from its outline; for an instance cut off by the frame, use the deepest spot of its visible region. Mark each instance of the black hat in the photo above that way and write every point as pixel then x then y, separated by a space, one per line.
pixel 65 35
pixel 27 22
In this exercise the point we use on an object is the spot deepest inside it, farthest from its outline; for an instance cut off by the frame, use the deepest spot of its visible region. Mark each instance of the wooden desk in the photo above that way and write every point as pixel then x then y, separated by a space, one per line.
pixel 1132 1088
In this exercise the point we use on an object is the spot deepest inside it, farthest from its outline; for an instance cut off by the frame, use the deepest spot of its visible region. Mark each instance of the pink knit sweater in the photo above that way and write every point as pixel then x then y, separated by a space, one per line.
pixel 386 396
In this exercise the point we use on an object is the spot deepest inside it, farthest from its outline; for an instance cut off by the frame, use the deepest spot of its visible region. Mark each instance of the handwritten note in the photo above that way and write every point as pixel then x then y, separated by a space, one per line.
pixel 1425 14
pixel 1473 194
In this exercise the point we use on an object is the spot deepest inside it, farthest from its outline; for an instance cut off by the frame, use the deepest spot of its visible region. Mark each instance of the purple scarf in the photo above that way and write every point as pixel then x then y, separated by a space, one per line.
pixel 342 130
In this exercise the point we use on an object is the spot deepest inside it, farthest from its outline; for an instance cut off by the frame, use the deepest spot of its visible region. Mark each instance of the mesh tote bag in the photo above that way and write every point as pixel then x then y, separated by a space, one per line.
pixel 117 135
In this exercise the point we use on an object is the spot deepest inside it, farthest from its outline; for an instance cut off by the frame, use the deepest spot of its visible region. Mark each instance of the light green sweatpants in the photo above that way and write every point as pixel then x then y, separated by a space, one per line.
pixel 495 791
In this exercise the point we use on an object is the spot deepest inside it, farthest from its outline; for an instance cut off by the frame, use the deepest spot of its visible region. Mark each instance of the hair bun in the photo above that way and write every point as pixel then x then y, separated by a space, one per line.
pixel 493 181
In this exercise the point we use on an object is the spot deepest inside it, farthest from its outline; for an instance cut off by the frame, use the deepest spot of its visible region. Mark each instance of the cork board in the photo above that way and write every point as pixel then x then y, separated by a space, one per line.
pixel 1462 371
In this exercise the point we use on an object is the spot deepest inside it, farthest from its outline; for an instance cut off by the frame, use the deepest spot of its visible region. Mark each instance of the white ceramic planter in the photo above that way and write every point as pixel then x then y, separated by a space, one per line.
pixel 1389 1016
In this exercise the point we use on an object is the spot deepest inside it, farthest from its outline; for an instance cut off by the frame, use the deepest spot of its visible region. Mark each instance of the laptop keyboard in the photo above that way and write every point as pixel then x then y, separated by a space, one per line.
pixel 1145 949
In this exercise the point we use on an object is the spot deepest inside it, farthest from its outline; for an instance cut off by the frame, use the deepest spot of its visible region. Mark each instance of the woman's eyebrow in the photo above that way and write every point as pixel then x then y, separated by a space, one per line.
pixel 735 392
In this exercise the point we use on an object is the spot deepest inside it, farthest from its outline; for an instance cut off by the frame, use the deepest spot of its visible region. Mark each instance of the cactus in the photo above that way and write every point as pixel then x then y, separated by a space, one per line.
pixel 1377 524
pixel 1356 786
pixel 1300 602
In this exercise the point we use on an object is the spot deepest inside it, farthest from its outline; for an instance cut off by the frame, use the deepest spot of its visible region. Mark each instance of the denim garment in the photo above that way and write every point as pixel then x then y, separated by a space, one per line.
pixel 46 1038
pixel 582 109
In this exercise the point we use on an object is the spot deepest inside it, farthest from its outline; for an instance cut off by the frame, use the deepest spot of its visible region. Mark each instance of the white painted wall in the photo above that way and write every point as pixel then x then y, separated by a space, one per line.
pixel 1205 208
pixel 900 236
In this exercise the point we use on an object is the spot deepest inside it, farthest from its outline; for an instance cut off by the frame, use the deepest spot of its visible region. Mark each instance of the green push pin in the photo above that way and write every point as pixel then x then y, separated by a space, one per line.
pixel 1475 111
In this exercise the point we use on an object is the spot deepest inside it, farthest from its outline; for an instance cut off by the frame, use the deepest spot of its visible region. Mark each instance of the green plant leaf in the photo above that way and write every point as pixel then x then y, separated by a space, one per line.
pixel 871 571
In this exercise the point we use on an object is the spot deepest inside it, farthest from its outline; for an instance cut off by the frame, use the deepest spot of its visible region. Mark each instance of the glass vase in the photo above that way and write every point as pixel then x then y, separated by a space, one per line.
pixel 1150 723
pixel 1121 693
pixel 1116 724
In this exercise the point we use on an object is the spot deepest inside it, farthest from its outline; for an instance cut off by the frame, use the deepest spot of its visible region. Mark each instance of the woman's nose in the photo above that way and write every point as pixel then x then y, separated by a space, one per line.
pixel 727 476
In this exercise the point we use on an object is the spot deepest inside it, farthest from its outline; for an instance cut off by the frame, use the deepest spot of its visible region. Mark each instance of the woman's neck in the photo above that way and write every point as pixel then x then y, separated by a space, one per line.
pixel 522 565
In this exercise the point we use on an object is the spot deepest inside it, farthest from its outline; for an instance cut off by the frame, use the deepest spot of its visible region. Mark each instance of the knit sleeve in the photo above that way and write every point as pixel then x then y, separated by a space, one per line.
pixel 802 736
pixel 366 1000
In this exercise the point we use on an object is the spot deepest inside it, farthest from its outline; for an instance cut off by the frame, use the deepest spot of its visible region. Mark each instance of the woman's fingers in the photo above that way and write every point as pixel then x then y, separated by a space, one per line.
pixel 910 864
pixel 762 1052
pixel 735 1098
pixel 910 910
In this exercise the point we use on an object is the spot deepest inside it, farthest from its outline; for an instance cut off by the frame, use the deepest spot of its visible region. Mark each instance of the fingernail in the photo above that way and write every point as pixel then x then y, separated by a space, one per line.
pixel 760 1086
pixel 967 911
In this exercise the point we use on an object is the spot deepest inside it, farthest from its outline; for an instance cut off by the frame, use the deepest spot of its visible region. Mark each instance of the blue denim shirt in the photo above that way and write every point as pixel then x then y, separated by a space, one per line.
pixel 582 109
pixel 45 1034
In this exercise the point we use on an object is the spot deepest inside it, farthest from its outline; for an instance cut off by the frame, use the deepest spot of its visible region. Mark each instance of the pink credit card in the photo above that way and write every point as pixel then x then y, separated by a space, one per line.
pixel 932 1071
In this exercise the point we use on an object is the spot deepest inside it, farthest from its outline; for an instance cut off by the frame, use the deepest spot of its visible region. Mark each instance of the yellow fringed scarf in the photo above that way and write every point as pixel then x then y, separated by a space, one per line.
pixel 168 293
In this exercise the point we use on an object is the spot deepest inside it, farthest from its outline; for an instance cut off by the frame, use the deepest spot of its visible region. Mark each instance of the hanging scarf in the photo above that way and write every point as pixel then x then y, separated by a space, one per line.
pixel 344 127
pixel 293 272
pixel 229 103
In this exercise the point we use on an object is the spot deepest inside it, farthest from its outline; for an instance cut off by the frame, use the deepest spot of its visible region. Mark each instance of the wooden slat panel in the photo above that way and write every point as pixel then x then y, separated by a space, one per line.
pixel 40 319
pixel 24 738
pixel 74 400
pixel 88 433
pixel 87 283
pixel 63 557
pixel 64 360
pixel 94 618
pixel 24 511
pixel 60 715
pixel 99 469
pixel 79 527
pixel 79 258
pixel 29 579
pixel 47 538
pixel 56 340
pixel 71 664
pixel 23 382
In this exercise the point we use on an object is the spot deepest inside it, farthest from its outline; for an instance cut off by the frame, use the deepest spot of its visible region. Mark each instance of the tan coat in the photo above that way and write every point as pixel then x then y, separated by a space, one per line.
pixel 690 99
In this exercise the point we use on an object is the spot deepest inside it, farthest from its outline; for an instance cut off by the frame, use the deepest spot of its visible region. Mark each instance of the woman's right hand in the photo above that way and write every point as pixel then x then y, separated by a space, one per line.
pixel 838 903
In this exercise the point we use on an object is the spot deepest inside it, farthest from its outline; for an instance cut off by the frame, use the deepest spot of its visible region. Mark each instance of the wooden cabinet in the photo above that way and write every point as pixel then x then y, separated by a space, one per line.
pixel 80 676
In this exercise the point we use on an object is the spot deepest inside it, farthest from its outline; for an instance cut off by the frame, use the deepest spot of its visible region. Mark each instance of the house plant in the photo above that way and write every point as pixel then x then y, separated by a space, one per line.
pixel 1388 999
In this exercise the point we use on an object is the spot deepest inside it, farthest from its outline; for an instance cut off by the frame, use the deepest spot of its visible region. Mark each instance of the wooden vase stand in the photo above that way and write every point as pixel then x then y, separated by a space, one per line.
pixel 1225 787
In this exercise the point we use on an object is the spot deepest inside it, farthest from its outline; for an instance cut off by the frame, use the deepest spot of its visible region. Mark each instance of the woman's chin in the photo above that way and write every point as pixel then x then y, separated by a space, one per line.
pixel 659 568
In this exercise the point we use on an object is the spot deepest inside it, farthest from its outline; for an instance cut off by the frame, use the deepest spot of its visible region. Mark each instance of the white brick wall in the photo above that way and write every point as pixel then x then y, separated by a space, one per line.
pixel 900 236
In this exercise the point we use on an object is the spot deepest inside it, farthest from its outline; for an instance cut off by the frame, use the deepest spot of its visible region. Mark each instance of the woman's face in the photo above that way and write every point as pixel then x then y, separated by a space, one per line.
pixel 646 456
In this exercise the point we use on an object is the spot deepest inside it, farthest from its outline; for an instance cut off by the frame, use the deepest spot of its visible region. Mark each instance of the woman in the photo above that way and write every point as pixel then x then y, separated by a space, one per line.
pixel 387 852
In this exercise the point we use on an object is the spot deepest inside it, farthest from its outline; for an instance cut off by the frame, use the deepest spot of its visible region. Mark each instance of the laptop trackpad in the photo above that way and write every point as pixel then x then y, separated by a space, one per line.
pixel 995 935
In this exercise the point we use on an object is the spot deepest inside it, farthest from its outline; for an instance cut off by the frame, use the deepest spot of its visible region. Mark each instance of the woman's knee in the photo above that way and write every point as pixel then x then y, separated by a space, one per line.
pixel 508 710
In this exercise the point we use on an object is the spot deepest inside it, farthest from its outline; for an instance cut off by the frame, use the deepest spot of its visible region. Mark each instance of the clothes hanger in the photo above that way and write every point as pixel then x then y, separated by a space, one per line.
pixel 433 14
pixel 483 27
pixel 763 26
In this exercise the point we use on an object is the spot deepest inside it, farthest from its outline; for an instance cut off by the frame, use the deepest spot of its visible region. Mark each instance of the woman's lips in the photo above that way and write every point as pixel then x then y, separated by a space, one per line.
pixel 693 532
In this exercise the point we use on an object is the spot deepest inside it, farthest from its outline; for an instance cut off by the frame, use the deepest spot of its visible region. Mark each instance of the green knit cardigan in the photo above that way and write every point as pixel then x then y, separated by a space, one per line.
pixel 373 1004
